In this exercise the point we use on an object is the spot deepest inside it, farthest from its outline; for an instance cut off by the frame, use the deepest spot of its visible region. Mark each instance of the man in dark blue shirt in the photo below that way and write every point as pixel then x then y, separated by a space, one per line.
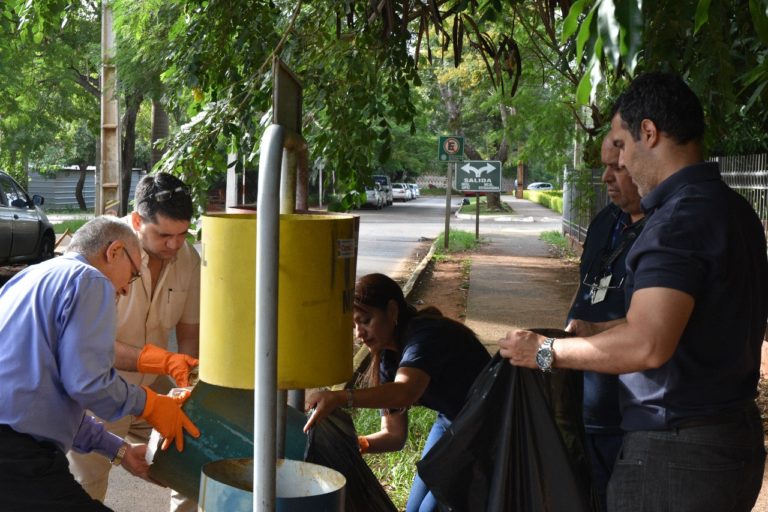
pixel 689 350
pixel 600 299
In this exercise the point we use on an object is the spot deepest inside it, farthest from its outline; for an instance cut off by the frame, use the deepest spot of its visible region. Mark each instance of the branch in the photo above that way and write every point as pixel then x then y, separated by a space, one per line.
pixel 90 85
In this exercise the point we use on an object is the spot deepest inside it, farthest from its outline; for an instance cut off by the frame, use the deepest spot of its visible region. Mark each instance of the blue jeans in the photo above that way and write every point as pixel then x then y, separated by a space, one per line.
pixel 602 450
pixel 420 499
pixel 695 468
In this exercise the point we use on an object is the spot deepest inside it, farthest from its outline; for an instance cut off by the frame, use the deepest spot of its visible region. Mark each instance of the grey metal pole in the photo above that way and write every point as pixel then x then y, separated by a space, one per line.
pixel 265 347
pixel 449 179
pixel 477 216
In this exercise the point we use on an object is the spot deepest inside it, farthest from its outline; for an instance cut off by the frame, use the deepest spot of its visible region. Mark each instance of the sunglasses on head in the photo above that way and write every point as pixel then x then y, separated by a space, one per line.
pixel 167 195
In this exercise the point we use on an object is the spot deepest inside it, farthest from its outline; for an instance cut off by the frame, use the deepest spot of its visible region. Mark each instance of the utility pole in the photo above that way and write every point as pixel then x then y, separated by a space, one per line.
pixel 108 182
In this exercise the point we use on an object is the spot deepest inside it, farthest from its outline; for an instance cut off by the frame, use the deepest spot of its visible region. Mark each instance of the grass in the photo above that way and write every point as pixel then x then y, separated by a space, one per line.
pixel 458 241
pixel 559 243
pixel 395 470
pixel 71 225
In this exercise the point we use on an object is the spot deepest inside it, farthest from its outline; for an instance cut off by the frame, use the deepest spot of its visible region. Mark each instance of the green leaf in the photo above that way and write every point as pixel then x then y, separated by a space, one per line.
pixel 609 30
pixel 584 89
pixel 702 14
pixel 759 12
pixel 571 23
pixel 586 32
pixel 630 17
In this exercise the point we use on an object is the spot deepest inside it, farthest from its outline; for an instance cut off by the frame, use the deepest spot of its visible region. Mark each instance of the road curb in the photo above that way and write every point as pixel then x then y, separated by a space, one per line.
pixel 416 274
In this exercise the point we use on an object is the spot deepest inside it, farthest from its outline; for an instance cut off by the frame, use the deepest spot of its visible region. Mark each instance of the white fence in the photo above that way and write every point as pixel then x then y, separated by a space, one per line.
pixel 746 174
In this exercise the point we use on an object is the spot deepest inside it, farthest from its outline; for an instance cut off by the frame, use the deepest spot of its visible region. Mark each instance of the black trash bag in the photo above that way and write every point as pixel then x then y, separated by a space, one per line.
pixel 504 451
pixel 332 442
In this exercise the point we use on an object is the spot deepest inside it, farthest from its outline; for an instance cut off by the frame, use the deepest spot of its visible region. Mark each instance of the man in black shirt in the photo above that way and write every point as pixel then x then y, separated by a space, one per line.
pixel 689 349
pixel 600 299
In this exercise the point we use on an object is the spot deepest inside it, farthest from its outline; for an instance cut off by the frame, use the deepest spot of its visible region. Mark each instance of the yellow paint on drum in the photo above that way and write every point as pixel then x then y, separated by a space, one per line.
pixel 318 256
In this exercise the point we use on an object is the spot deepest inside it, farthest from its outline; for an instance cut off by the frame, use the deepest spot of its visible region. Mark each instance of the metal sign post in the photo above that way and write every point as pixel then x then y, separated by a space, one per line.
pixel 449 149
pixel 479 176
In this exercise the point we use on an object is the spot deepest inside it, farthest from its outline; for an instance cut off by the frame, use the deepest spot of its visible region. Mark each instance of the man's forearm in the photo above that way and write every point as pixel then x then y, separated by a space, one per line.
pixel 126 356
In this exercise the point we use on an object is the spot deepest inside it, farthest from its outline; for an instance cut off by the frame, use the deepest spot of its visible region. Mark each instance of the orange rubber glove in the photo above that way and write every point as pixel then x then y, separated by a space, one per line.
pixel 363 443
pixel 165 414
pixel 154 359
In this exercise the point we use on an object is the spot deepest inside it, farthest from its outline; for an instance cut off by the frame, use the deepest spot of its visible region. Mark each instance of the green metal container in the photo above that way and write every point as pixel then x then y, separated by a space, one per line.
pixel 225 419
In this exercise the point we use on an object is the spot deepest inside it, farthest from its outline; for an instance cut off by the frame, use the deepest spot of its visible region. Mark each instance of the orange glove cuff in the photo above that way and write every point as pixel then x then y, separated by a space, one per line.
pixel 362 441
pixel 152 359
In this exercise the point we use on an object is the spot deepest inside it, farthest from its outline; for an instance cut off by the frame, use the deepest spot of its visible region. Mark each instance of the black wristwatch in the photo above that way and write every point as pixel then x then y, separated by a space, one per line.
pixel 545 356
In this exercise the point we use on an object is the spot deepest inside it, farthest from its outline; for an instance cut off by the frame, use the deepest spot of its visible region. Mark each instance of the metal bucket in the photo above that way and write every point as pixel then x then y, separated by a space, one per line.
pixel 227 486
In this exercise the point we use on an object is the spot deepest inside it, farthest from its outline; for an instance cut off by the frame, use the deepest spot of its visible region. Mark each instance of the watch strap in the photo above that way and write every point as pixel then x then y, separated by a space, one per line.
pixel 118 458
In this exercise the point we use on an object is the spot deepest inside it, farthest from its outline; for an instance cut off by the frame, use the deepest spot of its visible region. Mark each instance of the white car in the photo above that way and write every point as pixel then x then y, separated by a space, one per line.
pixel 401 192
pixel 415 192
pixel 374 198
pixel 540 185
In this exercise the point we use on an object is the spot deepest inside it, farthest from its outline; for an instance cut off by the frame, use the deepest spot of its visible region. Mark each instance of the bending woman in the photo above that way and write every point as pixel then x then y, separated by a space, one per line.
pixel 418 358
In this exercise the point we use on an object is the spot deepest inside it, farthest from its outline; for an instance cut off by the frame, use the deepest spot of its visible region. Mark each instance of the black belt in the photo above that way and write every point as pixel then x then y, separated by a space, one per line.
pixel 724 418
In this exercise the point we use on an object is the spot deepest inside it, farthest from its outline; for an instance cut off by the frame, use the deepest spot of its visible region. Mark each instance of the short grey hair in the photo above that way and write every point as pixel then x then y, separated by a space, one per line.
pixel 93 236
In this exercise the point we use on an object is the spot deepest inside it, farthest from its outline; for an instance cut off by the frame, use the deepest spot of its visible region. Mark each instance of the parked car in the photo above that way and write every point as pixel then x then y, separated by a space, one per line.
pixel 415 192
pixel 373 197
pixel 540 185
pixel 26 234
pixel 401 192
pixel 386 187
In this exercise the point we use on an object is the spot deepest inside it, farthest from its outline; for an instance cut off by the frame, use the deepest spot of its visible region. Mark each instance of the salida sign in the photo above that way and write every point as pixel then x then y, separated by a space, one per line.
pixel 479 175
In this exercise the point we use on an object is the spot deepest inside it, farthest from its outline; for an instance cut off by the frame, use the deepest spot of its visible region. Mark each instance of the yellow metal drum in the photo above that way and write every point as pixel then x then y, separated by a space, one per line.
pixel 318 255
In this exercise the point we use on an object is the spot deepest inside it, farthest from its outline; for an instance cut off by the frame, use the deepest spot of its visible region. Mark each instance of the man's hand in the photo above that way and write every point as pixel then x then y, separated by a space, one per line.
pixel 165 414
pixel 134 461
pixel 154 359
pixel 520 347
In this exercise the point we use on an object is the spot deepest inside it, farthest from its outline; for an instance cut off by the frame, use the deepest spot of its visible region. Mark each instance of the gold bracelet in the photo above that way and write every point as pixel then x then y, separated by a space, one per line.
pixel 118 459
pixel 350 398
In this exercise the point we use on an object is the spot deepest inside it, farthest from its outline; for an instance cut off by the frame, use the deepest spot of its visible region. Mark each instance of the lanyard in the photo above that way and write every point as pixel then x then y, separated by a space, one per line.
pixel 634 230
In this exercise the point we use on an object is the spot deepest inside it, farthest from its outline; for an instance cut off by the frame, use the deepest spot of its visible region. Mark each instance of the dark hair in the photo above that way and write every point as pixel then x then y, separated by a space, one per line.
pixel 165 194
pixel 375 291
pixel 665 99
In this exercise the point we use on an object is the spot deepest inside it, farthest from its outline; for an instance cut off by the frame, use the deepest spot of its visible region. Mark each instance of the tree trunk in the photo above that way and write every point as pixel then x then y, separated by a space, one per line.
pixel 80 184
pixel 493 200
pixel 159 131
pixel 132 105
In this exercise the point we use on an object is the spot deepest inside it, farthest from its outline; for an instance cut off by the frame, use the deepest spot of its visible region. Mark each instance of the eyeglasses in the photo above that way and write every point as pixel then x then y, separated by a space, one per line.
pixel 166 195
pixel 135 272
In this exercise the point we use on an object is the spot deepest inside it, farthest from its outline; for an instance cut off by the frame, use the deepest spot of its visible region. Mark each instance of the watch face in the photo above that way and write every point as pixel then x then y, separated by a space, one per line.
pixel 544 358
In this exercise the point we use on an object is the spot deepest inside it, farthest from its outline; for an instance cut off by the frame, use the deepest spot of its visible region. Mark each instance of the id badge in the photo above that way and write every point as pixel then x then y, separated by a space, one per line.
pixel 598 292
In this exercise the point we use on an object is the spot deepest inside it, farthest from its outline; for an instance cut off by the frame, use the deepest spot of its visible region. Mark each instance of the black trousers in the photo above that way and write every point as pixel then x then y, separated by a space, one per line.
pixel 34 476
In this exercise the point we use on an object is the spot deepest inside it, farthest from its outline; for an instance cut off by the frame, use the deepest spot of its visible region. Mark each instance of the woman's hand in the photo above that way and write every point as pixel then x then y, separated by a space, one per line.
pixel 323 403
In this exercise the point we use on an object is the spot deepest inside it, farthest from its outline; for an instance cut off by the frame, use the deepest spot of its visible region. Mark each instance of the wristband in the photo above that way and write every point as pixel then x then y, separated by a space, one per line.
pixel 350 398
pixel 363 443
pixel 118 459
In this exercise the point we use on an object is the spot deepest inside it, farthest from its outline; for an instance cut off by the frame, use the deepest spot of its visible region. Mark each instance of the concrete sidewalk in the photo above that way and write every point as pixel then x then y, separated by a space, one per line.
pixel 514 279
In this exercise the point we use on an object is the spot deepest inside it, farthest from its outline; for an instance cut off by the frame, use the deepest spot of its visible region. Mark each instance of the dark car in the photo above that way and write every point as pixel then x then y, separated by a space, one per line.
pixel 26 234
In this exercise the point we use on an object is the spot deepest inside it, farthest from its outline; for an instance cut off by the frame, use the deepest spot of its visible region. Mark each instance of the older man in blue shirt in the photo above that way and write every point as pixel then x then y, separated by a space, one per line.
pixel 57 330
